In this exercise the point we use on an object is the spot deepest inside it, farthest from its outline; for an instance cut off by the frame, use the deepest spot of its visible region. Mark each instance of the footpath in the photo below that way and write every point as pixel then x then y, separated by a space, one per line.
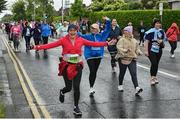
pixel 6 103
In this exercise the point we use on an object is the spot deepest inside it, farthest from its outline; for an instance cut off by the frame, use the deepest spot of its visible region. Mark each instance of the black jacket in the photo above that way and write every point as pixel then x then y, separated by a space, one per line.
pixel 25 31
pixel 114 34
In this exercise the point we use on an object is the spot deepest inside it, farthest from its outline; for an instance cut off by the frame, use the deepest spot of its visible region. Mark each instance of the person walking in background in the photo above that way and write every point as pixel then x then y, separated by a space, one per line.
pixel 71 64
pixel 128 50
pixel 36 33
pixel 171 34
pixel 154 43
pixel 63 29
pixel 114 35
pixel 15 34
pixel 8 31
pixel 130 26
pixel 27 35
pixel 45 33
pixel 94 55
pixel 84 27
pixel 141 31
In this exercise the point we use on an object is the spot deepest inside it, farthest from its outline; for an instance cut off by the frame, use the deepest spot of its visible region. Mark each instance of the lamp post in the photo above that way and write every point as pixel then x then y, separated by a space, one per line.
pixel 62 12
pixel 161 10
pixel 34 11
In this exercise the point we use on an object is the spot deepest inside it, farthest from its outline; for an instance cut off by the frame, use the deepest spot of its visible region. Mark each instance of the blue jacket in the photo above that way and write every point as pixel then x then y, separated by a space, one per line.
pixel 45 30
pixel 96 52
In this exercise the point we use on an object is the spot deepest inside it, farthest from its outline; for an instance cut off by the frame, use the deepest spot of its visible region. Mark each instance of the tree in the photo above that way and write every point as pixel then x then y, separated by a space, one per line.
pixel 135 5
pixel 7 18
pixel 29 8
pixel 106 5
pixel 78 9
pixel 165 4
pixel 149 4
pixel 18 10
pixel 2 5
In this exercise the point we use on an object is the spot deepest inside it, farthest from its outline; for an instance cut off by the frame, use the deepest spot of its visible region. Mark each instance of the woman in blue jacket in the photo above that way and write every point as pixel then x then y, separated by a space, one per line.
pixel 45 33
pixel 93 55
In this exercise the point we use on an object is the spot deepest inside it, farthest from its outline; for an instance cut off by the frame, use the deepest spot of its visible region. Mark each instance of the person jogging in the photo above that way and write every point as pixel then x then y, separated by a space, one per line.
pixel 27 35
pixel 45 33
pixel 171 34
pixel 36 33
pixel 71 64
pixel 15 35
pixel 114 35
pixel 93 55
pixel 154 44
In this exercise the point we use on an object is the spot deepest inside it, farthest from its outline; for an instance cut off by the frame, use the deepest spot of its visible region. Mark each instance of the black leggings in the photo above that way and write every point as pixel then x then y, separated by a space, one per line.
pixel 173 45
pixel 141 39
pixel 45 39
pixel 132 69
pixel 93 65
pixel 15 41
pixel 113 60
pixel 154 59
pixel 37 40
pixel 76 83
pixel 27 39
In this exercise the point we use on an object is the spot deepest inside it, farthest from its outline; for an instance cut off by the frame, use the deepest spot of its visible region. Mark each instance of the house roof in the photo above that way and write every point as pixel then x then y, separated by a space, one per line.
pixel 173 0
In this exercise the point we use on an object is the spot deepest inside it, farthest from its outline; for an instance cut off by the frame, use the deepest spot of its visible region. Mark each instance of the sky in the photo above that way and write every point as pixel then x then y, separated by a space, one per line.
pixel 57 5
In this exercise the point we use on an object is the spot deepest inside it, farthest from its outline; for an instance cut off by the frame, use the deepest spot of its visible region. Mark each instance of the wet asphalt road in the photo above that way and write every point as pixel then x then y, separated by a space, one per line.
pixel 160 101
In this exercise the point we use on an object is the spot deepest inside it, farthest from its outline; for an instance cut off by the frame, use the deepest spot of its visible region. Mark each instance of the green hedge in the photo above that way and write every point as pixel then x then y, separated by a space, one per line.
pixel 135 16
pixel 2 111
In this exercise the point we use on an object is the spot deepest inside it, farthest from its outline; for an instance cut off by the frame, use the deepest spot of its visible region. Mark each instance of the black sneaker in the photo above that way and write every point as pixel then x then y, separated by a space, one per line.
pixel 61 96
pixel 77 111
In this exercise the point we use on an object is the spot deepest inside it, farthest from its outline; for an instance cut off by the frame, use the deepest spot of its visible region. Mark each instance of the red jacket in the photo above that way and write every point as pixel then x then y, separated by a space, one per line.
pixel 172 32
pixel 68 47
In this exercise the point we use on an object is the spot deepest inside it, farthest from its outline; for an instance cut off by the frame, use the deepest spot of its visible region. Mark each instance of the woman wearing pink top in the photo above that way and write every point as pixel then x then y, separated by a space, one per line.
pixel 15 35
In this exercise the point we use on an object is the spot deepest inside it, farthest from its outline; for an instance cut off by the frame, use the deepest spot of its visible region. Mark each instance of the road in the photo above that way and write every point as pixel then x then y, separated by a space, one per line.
pixel 160 101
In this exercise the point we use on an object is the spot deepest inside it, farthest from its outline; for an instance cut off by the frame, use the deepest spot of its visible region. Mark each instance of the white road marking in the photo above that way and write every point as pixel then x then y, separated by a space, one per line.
pixel 161 72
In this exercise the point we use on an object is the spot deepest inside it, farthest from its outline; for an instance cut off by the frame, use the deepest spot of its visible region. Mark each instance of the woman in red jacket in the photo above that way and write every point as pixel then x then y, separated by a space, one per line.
pixel 171 34
pixel 71 64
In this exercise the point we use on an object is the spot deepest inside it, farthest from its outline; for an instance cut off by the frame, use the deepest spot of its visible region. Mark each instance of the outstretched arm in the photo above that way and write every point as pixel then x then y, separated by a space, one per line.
pixel 49 46
pixel 107 30
pixel 95 44
pixel 85 36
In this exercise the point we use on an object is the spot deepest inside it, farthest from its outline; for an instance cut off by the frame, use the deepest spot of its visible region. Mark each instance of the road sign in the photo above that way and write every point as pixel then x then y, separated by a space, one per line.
pixel 161 8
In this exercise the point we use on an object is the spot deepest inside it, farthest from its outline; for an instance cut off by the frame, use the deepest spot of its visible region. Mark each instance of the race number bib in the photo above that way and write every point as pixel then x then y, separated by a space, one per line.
pixel 95 48
pixel 73 58
pixel 155 47
pixel 142 30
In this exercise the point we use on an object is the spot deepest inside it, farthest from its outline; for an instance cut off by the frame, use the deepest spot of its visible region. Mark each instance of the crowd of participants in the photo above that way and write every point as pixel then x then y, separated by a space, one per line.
pixel 123 47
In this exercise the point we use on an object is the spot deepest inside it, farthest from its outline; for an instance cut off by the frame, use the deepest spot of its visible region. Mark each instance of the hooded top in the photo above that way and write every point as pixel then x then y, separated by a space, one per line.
pixel 45 30
pixel 96 52
pixel 172 32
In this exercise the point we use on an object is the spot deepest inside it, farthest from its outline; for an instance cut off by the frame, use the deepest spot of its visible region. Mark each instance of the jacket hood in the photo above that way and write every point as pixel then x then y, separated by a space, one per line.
pixel 174 25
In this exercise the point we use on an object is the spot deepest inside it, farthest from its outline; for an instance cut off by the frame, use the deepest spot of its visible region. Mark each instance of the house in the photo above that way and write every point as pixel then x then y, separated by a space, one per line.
pixel 175 4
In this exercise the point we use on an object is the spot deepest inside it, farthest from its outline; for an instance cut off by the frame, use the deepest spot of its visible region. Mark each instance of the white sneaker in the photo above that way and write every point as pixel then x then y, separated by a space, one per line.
pixel 113 70
pixel 152 81
pixel 172 56
pixel 91 91
pixel 138 90
pixel 120 88
pixel 156 81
